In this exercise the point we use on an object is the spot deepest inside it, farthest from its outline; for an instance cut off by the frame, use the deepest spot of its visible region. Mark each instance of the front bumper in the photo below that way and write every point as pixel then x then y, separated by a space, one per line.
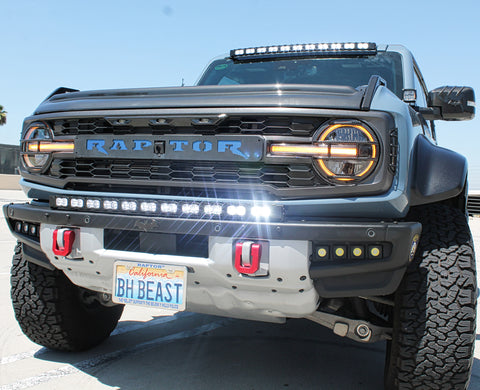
pixel 295 281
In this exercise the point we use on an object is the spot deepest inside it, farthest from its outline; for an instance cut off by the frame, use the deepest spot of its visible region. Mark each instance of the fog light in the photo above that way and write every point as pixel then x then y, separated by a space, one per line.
pixel 357 252
pixel 340 252
pixel 323 252
pixel 375 251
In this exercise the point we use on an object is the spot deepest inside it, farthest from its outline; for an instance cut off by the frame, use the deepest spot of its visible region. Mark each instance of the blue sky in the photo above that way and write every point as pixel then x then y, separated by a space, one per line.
pixel 116 44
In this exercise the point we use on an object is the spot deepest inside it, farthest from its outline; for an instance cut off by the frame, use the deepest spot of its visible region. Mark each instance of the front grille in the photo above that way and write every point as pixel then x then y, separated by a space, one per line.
pixel 271 125
pixel 278 176
pixel 273 178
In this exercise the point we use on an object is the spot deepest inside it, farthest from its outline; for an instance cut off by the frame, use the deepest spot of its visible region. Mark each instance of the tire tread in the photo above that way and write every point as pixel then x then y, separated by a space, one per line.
pixel 435 307
pixel 50 312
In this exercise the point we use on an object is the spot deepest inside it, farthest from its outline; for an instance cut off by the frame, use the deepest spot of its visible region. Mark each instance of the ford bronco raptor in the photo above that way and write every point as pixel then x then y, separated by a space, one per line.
pixel 293 181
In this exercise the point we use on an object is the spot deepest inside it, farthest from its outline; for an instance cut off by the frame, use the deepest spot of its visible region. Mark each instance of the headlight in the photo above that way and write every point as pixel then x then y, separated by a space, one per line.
pixel 38 144
pixel 343 152
pixel 353 152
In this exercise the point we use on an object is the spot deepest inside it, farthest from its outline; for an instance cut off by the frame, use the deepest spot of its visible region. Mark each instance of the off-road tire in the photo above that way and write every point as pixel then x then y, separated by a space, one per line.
pixel 435 307
pixel 51 312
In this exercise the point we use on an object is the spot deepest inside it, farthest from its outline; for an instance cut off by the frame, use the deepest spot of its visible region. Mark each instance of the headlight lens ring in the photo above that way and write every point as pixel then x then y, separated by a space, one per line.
pixel 353 152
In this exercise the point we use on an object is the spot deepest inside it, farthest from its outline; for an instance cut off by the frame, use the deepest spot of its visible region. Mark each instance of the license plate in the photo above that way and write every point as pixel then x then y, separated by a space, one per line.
pixel 151 285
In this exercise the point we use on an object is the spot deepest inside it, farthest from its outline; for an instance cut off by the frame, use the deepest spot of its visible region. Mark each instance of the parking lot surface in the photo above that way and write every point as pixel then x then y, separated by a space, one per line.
pixel 154 350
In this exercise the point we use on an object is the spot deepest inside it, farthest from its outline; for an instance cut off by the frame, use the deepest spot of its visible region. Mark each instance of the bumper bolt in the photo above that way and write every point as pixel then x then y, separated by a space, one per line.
pixel 106 297
pixel 363 331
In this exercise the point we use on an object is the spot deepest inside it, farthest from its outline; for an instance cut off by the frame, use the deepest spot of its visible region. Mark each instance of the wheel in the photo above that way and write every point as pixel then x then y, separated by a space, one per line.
pixel 435 307
pixel 52 311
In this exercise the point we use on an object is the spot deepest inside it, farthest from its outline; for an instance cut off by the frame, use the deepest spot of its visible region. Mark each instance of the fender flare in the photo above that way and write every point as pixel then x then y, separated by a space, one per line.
pixel 438 173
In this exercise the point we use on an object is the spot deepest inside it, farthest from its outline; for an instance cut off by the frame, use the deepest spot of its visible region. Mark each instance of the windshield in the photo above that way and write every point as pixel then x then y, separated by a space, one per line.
pixel 351 71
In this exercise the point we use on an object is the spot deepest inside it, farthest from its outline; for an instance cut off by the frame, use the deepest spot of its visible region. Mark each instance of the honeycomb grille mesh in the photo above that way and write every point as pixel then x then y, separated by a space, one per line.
pixel 279 176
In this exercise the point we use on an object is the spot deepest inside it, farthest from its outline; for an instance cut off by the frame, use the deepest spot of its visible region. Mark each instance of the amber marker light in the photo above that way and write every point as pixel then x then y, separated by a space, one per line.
pixel 343 151
pixel 299 149
pixel 56 147
pixel 33 147
pixel 314 150
pixel 50 146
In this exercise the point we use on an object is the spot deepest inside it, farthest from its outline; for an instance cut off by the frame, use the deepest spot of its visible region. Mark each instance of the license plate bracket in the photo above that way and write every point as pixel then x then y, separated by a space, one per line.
pixel 150 285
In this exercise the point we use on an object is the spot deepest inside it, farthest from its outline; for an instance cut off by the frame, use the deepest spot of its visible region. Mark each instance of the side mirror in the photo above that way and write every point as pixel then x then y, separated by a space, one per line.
pixel 450 104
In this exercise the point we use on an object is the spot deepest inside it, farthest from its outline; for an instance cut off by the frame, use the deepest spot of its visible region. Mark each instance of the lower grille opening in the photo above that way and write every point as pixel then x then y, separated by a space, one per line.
pixel 156 243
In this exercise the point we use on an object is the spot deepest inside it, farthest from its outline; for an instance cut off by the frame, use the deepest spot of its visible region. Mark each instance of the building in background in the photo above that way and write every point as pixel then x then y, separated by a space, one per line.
pixel 9 159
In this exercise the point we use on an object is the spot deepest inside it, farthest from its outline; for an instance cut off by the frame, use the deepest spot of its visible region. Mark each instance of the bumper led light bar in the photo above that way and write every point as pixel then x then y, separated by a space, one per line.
pixel 179 209
pixel 310 49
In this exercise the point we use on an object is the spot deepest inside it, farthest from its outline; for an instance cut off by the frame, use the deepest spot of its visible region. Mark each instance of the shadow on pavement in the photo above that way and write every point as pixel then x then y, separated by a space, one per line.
pixel 204 352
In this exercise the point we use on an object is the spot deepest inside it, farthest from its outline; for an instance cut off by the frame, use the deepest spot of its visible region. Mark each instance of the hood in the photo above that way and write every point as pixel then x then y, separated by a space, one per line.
pixel 292 95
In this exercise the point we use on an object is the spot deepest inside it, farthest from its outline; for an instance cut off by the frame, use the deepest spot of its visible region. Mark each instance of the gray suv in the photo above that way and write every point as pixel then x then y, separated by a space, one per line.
pixel 294 181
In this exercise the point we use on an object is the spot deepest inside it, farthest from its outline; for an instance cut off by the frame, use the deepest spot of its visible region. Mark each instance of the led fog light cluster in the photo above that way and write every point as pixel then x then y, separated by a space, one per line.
pixel 351 251
pixel 169 208
pixel 27 228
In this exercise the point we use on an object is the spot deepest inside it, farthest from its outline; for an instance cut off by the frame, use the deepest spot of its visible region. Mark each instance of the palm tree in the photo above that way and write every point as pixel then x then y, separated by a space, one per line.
pixel 3 116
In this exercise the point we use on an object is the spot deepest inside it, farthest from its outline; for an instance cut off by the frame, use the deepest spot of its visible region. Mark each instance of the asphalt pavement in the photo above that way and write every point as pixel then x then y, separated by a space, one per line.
pixel 155 350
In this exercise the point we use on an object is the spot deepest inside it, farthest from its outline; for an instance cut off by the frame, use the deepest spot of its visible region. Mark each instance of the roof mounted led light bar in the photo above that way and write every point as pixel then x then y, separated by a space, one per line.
pixel 302 50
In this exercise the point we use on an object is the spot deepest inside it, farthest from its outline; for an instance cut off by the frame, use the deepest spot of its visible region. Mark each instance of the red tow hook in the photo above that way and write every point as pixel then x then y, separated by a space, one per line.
pixel 247 257
pixel 63 240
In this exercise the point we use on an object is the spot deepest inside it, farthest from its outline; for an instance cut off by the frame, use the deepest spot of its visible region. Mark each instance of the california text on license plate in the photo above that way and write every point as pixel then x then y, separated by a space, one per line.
pixel 151 285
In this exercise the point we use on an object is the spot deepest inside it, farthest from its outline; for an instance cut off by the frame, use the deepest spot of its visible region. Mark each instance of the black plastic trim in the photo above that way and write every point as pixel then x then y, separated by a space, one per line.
pixel 438 173
pixel 60 91
pixel 374 82
pixel 36 256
